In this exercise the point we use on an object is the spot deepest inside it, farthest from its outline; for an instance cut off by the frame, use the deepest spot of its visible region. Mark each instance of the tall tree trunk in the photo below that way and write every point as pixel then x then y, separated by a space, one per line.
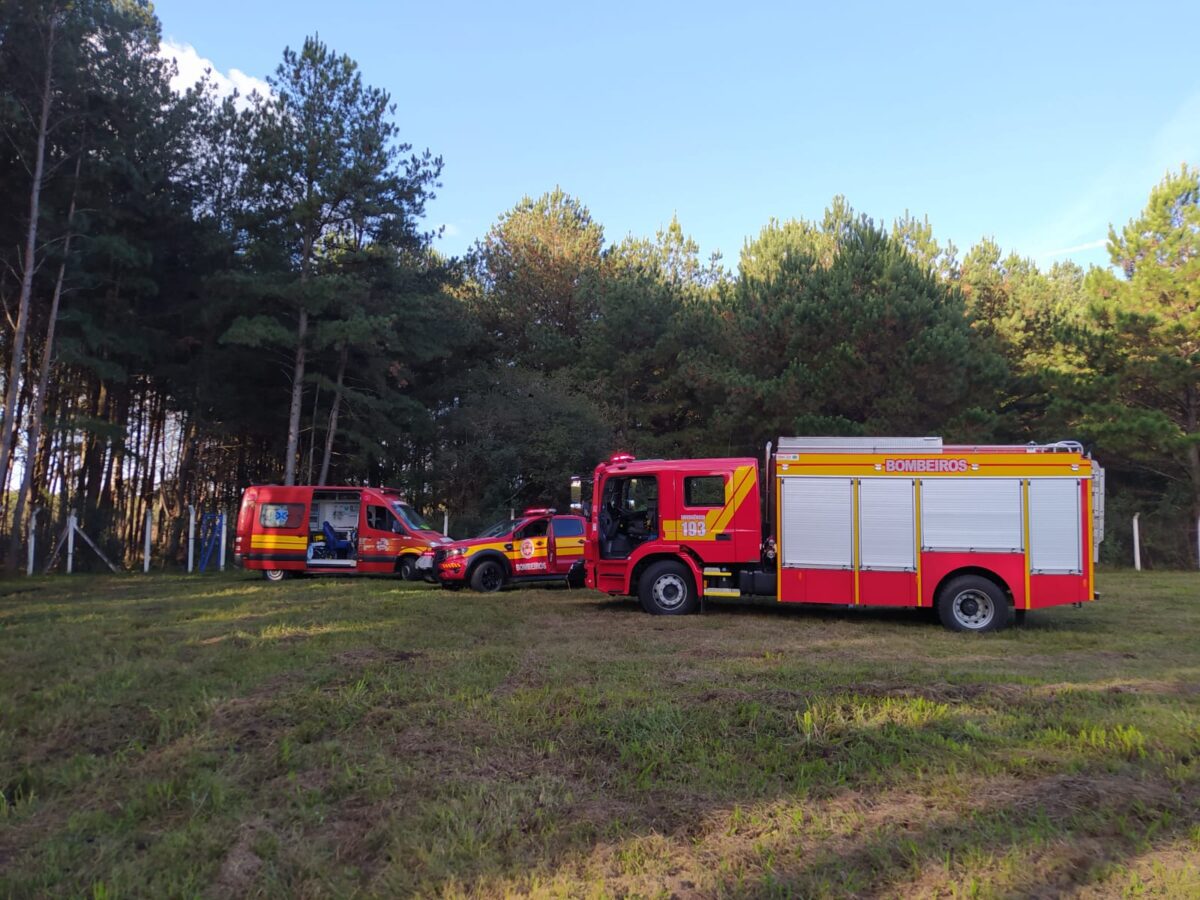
pixel 39 400
pixel 293 439
pixel 29 258
pixel 312 436
pixel 331 431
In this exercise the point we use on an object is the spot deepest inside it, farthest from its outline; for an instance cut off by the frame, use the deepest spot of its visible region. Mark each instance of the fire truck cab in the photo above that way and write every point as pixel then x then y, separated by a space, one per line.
pixel 297 529
pixel 981 533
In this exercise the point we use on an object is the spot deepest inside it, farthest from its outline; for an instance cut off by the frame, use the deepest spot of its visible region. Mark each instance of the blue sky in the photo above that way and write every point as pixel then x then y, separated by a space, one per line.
pixel 1035 123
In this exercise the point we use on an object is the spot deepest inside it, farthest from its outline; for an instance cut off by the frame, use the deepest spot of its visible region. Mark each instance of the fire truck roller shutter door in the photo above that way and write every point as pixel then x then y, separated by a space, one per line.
pixel 972 514
pixel 817 517
pixel 886 524
pixel 1054 529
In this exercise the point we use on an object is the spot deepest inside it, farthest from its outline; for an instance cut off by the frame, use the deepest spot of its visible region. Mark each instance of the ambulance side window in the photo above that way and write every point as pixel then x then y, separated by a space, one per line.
pixel 378 518
pixel 281 515
pixel 704 490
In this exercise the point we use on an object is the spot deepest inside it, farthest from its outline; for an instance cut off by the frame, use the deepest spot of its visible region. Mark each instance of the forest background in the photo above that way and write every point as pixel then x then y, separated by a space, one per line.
pixel 203 292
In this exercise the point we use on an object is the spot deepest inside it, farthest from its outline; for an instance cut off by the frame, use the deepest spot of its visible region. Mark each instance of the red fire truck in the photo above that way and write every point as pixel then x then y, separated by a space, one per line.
pixel 299 529
pixel 978 532
pixel 538 546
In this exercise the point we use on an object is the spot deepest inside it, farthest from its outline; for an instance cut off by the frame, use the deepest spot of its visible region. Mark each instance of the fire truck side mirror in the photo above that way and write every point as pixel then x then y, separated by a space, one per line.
pixel 576 493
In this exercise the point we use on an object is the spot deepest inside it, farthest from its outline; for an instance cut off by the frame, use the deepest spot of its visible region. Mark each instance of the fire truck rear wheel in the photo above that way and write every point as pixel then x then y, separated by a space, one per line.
pixel 488 576
pixel 274 574
pixel 973 603
pixel 666 589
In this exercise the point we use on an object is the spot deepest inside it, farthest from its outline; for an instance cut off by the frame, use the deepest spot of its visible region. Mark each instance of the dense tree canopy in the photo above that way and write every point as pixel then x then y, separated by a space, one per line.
pixel 204 292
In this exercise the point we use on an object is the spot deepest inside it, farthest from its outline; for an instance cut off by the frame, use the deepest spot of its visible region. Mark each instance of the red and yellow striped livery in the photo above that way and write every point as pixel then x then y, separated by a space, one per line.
pixel 980 532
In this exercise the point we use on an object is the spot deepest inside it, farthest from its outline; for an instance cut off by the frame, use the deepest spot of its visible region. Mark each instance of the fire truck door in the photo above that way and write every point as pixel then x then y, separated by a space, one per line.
pixel 566 543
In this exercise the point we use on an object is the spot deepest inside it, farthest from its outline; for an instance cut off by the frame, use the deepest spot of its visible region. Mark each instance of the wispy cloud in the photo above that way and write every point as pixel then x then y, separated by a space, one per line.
pixel 1078 248
pixel 192 67
pixel 1119 191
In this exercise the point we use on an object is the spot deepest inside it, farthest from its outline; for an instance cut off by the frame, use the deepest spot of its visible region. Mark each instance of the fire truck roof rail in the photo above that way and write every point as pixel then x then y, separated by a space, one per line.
pixel 1054 447
pixel 859 445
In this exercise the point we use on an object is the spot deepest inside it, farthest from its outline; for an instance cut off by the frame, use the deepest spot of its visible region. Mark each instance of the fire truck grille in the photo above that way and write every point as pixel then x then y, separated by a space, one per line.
pixel 438 556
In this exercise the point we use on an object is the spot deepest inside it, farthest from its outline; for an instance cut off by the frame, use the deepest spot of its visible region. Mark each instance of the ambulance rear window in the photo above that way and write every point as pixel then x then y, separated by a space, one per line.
pixel 281 515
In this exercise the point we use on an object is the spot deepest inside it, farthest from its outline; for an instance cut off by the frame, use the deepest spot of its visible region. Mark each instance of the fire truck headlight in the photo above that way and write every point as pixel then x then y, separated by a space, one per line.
pixel 453 552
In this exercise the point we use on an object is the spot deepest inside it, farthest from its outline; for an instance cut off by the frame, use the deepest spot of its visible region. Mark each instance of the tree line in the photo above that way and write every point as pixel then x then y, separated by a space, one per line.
pixel 204 291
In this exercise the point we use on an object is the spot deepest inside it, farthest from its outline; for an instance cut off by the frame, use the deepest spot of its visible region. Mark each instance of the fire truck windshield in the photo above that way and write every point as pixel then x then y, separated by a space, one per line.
pixel 411 517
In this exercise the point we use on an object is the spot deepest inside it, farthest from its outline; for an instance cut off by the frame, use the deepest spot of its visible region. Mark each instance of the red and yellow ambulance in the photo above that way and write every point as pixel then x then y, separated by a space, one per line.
pixel 302 529
pixel 538 546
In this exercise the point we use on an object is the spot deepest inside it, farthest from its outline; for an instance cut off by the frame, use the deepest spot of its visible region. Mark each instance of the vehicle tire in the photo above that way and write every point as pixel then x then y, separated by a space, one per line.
pixel 406 568
pixel 666 589
pixel 973 603
pixel 275 574
pixel 487 577
pixel 577 577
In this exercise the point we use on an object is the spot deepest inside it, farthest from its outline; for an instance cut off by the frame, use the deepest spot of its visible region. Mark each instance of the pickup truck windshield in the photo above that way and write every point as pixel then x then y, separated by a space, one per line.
pixel 504 526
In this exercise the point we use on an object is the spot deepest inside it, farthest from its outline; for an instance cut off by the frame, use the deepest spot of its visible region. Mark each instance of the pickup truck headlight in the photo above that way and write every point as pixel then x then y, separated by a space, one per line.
pixel 453 552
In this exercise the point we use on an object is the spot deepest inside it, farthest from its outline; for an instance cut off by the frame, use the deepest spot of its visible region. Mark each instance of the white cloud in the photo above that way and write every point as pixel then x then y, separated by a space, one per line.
pixel 1078 248
pixel 1118 192
pixel 192 67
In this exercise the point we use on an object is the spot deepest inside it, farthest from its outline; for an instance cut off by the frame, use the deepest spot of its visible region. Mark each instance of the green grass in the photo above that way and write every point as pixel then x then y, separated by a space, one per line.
pixel 170 736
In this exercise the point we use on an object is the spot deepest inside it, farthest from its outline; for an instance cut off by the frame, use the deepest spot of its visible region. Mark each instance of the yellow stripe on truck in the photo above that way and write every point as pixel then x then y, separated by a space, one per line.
pixel 278 542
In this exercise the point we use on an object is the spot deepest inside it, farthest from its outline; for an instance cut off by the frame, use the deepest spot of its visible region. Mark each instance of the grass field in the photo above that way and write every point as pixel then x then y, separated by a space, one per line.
pixel 218 735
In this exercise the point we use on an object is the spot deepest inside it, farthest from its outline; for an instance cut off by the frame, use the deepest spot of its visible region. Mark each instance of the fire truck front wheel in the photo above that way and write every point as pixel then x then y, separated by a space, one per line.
pixel 666 589
pixel 973 603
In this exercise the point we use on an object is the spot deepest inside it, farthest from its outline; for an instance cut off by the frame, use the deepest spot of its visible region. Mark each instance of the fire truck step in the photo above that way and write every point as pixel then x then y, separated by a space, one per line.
pixel 717 573
pixel 721 592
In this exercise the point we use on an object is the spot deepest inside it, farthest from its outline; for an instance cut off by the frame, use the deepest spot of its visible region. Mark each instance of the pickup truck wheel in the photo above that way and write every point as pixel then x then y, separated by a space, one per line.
pixel 488 576
pixel 406 568
pixel 973 603
pixel 666 589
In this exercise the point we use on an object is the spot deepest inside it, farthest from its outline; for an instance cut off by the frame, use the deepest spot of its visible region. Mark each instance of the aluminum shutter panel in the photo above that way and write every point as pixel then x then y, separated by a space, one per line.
pixel 1054 526
pixel 886 523
pixel 971 514
pixel 817 529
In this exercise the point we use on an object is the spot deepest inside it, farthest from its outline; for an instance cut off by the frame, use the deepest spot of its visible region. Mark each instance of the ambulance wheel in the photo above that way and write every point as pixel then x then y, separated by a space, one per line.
pixel 406 568
pixel 973 603
pixel 274 574
pixel 488 577
pixel 666 589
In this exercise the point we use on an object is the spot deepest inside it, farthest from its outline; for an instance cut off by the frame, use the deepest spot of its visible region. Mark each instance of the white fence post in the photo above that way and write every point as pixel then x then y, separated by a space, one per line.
pixel 149 524
pixel 70 542
pixel 221 564
pixel 31 540
pixel 1137 544
pixel 191 537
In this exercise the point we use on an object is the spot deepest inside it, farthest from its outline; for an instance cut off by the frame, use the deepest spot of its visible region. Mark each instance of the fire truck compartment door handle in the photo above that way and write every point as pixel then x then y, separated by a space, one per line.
pixel 723 536
pixel 508 546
